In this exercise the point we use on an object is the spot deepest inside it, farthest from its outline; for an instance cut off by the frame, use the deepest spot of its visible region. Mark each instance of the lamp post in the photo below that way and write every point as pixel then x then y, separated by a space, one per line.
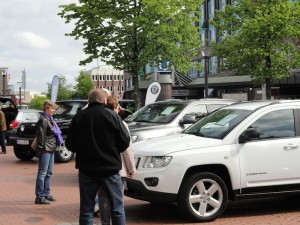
pixel 205 52
pixel 20 93
pixel 4 74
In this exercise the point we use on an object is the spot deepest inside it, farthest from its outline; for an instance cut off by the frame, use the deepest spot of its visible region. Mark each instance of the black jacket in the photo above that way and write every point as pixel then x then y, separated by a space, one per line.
pixel 97 136
pixel 46 138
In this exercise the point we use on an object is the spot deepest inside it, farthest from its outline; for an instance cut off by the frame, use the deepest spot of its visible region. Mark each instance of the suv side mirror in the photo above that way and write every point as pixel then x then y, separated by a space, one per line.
pixel 249 135
pixel 187 119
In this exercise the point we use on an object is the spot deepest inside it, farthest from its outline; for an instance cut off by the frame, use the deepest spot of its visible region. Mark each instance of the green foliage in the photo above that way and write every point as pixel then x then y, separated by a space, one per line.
pixel 262 38
pixel 65 90
pixel 84 85
pixel 128 34
pixel 37 102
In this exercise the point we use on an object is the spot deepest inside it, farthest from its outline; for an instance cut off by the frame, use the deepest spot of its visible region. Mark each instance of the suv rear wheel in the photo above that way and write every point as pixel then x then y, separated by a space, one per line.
pixel 63 155
pixel 24 152
pixel 203 197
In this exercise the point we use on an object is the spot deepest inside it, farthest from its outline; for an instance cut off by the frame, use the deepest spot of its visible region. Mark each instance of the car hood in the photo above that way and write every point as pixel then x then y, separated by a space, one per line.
pixel 172 143
pixel 138 126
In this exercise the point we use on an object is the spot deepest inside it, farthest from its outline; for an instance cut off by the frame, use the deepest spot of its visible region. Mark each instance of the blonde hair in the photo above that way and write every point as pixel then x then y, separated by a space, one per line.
pixel 112 102
pixel 49 104
pixel 97 95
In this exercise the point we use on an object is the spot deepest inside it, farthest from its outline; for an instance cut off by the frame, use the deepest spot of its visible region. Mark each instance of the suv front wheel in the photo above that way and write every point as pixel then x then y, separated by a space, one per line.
pixel 63 155
pixel 203 197
pixel 24 152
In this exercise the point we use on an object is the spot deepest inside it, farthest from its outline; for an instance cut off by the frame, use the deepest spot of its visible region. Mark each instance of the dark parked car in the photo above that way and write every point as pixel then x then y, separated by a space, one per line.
pixel 24 115
pixel 23 136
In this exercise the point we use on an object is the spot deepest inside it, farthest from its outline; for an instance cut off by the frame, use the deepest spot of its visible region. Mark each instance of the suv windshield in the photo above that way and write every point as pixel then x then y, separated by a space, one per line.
pixel 218 124
pixel 68 109
pixel 157 113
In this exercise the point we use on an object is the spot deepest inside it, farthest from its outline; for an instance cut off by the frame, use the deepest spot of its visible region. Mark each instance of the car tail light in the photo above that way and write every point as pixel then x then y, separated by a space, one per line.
pixel 13 124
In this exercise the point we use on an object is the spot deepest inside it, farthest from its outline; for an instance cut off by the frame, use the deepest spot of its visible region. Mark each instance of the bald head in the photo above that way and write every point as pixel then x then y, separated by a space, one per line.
pixel 97 95
pixel 107 92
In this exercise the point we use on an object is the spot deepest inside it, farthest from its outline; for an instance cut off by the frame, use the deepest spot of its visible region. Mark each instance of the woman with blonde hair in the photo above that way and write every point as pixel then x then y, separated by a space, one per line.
pixel 48 138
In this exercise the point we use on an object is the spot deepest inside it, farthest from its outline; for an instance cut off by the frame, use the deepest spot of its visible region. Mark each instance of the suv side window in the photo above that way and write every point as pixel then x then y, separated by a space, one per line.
pixel 198 111
pixel 213 107
pixel 272 125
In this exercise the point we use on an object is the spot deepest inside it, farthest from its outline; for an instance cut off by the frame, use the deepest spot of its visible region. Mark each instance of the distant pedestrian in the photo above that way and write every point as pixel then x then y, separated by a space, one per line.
pixel 97 135
pixel 3 129
pixel 48 138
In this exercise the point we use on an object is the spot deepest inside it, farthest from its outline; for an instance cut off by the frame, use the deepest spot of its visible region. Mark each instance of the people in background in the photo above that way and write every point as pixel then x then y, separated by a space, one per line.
pixel 3 129
pixel 97 135
pixel 128 168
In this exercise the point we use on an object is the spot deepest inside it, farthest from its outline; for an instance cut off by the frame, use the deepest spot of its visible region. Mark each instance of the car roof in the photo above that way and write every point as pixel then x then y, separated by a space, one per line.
pixel 72 100
pixel 29 110
pixel 203 100
pixel 254 105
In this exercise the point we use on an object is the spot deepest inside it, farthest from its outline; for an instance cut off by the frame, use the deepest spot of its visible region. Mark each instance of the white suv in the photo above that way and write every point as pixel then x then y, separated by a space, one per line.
pixel 244 150
pixel 170 116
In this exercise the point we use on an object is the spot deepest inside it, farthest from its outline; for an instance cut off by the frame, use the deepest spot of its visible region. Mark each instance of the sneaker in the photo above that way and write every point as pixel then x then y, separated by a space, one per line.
pixel 50 198
pixel 41 201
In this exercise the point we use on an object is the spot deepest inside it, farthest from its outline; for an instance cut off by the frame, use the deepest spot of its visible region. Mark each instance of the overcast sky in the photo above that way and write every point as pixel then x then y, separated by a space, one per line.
pixel 32 37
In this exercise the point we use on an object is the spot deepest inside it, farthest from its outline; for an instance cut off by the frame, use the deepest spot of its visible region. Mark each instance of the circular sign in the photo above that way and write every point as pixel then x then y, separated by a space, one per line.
pixel 154 89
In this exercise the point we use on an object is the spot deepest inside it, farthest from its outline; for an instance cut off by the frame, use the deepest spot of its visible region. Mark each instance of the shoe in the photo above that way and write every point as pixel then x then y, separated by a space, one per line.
pixel 50 198
pixel 42 201
pixel 2 152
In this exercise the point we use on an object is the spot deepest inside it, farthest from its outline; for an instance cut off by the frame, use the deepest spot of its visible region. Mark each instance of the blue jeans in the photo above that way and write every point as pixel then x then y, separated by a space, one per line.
pixel 2 141
pixel 89 186
pixel 46 162
pixel 104 206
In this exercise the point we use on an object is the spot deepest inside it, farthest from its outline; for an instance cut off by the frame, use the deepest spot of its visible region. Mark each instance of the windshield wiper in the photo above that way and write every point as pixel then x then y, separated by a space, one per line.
pixel 197 134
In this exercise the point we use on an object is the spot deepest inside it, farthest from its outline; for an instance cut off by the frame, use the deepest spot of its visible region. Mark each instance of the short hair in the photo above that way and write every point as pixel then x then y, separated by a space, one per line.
pixel 112 102
pixel 97 95
pixel 49 104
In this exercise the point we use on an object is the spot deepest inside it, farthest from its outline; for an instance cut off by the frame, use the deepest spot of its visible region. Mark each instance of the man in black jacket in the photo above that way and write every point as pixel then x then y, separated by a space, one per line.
pixel 98 136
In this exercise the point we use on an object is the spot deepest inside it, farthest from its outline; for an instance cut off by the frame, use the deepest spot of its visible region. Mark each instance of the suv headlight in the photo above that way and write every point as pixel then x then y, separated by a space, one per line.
pixel 157 161
pixel 133 138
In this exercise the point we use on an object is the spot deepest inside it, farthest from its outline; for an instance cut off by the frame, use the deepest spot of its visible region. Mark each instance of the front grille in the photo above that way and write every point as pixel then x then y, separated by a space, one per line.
pixel 27 130
pixel 137 161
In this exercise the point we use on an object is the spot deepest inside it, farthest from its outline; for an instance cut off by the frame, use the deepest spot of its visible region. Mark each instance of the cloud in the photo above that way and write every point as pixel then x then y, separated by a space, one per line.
pixel 33 38
pixel 32 41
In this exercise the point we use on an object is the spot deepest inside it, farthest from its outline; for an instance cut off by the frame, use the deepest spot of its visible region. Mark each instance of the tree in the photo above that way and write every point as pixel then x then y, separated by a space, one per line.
pixel 130 34
pixel 65 90
pixel 37 102
pixel 262 39
pixel 84 85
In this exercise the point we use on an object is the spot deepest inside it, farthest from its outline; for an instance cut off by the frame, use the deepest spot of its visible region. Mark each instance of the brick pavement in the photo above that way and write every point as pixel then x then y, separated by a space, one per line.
pixel 17 184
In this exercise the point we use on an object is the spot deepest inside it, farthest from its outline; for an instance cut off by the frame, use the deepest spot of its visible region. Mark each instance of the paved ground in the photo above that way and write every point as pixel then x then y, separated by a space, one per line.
pixel 17 184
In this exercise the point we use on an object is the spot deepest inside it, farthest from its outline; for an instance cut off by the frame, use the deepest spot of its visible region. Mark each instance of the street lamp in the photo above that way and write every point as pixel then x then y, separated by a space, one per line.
pixel 205 53
pixel 20 93
pixel 204 50
pixel 4 74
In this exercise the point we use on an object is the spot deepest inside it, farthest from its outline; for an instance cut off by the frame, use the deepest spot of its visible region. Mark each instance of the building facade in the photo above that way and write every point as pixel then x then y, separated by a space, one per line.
pixel 108 77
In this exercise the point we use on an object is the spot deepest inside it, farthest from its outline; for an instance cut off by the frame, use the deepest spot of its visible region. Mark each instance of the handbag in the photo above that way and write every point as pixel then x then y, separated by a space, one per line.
pixel 34 144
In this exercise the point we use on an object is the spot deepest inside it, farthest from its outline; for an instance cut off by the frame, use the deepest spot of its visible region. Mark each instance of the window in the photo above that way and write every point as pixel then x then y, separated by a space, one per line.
pixel 198 111
pixel 277 124
pixel 214 107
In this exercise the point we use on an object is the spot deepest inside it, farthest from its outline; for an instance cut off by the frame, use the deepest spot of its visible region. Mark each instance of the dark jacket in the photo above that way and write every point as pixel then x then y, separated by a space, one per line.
pixel 46 139
pixel 97 135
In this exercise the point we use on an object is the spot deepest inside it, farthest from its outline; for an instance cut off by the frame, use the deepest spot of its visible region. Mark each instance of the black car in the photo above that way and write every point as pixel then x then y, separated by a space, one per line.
pixel 22 137
pixel 24 115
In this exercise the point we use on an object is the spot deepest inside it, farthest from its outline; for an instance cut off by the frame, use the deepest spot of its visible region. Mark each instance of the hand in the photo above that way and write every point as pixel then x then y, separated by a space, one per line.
pixel 131 175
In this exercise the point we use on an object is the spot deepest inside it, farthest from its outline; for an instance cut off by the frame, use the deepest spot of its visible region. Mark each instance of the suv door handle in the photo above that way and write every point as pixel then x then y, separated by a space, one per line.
pixel 290 146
